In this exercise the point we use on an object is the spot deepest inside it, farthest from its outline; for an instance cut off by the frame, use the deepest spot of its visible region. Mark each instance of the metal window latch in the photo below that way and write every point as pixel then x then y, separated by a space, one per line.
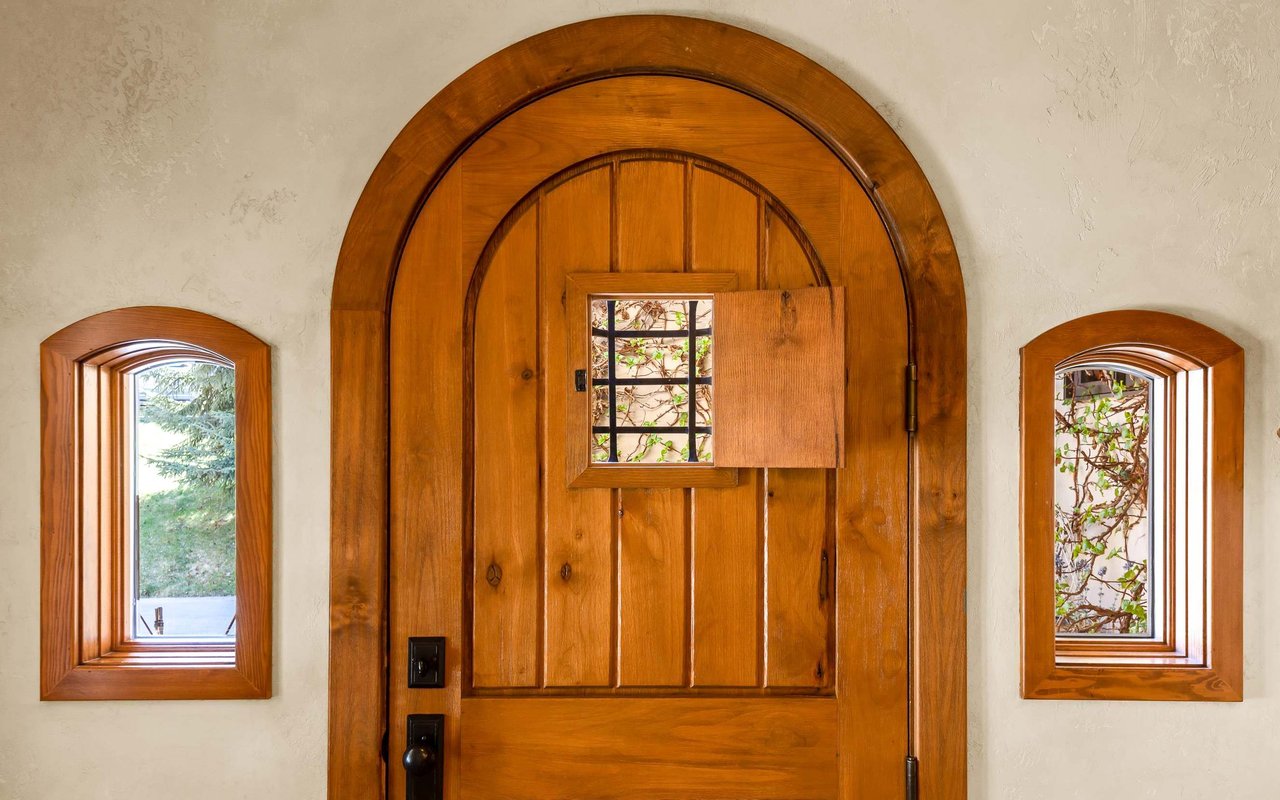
pixel 426 662
pixel 580 380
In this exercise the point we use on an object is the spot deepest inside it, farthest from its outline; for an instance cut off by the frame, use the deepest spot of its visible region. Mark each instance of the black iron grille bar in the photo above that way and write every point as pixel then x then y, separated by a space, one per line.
pixel 651 429
pixel 613 388
pixel 693 380
pixel 678 333
pixel 653 381
pixel 690 405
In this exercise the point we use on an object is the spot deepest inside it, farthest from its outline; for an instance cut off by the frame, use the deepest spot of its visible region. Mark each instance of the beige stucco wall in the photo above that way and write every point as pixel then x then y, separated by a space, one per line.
pixel 1089 154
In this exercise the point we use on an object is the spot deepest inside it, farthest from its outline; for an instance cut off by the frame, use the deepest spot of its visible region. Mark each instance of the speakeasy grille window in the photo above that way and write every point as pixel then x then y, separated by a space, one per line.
pixel 680 379
pixel 651 380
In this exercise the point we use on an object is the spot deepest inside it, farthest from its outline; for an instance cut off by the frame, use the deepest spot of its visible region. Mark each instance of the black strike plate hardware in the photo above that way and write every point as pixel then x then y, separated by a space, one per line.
pixel 424 757
pixel 580 380
pixel 426 662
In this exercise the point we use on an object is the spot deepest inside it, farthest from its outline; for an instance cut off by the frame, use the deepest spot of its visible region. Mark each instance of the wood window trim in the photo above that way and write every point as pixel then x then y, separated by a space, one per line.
pixel 86 653
pixel 360 326
pixel 579 289
pixel 1200 653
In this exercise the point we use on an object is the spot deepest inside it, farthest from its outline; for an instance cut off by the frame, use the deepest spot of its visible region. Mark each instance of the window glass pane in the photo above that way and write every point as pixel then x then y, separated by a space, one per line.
pixel 1104 546
pixel 647 360
pixel 662 406
pixel 184 550
pixel 653 448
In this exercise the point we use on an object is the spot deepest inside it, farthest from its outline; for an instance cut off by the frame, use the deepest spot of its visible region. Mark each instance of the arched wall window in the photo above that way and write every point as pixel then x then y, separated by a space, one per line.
pixel 156 508
pixel 1132 485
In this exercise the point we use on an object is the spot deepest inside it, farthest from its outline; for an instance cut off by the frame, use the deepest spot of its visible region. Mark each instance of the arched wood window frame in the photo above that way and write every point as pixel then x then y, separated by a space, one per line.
pixel 408 172
pixel 86 650
pixel 1199 491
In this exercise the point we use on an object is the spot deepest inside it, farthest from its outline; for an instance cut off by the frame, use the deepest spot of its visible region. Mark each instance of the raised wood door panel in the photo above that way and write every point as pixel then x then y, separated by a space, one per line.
pixel 674 592
pixel 750 748
pixel 614 600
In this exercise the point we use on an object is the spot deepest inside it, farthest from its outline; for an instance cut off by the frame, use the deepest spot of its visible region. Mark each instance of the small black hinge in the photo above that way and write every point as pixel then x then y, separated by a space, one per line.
pixel 913 778
pixel 579 380
pixel 911 398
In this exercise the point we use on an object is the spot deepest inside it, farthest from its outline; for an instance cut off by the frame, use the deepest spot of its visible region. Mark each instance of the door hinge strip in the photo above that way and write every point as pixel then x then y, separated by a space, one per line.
pixel 911 398
pixel 913 778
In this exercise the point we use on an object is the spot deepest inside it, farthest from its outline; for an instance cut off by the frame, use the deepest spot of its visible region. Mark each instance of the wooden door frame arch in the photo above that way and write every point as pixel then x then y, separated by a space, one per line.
pixel 360 325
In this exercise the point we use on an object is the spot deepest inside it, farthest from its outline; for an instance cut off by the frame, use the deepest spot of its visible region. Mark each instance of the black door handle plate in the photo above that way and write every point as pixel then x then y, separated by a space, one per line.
pixel 424 757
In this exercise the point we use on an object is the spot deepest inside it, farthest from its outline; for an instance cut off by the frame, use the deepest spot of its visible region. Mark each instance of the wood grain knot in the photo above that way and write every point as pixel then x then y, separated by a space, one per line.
pixel 526 374
pixel 566 572
pixel 493 575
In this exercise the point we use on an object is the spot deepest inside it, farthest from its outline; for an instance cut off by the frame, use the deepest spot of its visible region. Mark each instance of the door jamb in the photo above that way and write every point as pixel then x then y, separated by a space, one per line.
pixel 360 326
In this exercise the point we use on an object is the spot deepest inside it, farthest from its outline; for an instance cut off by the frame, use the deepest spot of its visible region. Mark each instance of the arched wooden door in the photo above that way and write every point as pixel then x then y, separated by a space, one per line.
pixel 748 639
pixel 728 642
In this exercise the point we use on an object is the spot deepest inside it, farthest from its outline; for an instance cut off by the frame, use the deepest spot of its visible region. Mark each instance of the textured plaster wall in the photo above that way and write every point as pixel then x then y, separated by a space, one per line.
pixel 1089 155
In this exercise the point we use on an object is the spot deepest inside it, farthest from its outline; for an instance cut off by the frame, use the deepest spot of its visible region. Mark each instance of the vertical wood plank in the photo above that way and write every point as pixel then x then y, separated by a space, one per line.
pixel 796 609
pixel 506 580
pixel 426 445
pixel 575 236
pixel 872 523
pixel 797 603
pixel 727 579
pixel 650 216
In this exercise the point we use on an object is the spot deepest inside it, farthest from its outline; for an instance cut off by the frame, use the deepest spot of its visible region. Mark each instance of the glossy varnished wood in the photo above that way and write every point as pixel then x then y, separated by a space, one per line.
pixel 1209 665
pixel 430 519
pixel 723 228
pixel 780 391
pixel 726 524
pixel 419 158
pixel 507 573
pixel 872 526
pixel 799 601
pixel 85 651
pixel 642 748
pixel 653 636
pixel 701 618
pixel 579 547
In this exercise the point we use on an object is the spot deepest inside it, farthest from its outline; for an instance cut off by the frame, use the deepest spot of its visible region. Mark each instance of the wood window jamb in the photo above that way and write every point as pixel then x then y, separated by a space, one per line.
pixel 86 650
pixel 1199 655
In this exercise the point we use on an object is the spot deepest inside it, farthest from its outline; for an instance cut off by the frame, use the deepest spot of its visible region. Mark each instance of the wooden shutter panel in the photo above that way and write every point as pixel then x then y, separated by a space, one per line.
pixel 779 378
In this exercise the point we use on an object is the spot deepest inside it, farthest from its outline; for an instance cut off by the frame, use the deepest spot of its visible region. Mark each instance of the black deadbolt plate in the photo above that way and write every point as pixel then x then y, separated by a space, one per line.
pixel 426 662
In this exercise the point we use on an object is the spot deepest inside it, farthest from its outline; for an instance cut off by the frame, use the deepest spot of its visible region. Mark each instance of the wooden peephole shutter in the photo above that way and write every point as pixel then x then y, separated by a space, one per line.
pixel 780 378
pixel 778 391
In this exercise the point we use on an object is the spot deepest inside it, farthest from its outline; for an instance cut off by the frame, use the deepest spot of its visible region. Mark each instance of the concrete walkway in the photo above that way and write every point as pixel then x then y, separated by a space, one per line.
pixel 188 616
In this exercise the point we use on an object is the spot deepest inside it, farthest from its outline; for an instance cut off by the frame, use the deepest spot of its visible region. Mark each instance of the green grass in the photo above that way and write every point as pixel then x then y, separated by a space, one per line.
pixel 187 542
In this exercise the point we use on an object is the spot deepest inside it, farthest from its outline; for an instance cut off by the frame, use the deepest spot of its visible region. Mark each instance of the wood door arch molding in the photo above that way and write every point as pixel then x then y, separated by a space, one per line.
pixel 775 206
pixel 405 177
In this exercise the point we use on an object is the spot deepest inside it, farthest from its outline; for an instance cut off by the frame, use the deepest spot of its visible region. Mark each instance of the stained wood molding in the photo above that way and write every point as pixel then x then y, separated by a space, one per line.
pixel 85 653
pixel 409 172
pixel 1197 653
